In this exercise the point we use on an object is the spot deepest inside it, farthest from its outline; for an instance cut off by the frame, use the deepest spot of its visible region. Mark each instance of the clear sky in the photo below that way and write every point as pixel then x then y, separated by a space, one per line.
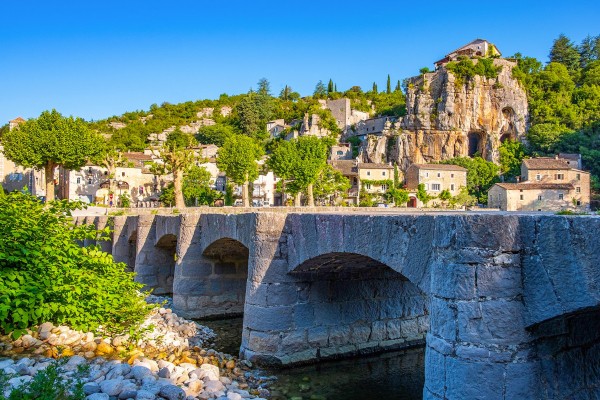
pixel 95 59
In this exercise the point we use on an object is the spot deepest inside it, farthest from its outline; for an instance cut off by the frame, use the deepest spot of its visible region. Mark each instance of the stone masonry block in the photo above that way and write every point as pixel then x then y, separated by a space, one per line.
pixel 453 281
pixel 269 318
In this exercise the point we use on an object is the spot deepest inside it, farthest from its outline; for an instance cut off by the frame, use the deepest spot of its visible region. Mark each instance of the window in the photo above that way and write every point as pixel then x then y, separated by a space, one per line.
pixel 452 186
pixel 435 187
pixel 382 173
pixel 578 177
pixel 90 181
pixel 90 170
pixel 368 173
pixel 105 172
pixel 521 197
pixel 384 187
pixel 538 177
pixel 427 186
pixel 539 197
pixel 561 196
pixel 578 189
pixel 340 153
pixel 427 174
pixel 451 175
pixel 368 185
pixel 578 202
pixel 122 173
pixel 78 180
pixel 439 174
pixel 559 177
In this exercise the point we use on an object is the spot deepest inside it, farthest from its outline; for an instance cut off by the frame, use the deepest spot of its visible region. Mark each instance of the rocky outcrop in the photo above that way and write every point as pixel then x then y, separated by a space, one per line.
pixel 449 117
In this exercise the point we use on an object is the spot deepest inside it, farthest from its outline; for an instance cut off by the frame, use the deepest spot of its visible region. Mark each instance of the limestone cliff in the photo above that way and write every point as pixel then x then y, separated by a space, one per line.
pixel 447 119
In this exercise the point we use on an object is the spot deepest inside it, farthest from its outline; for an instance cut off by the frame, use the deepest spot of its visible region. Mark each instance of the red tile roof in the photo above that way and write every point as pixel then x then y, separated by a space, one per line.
pixel 440 167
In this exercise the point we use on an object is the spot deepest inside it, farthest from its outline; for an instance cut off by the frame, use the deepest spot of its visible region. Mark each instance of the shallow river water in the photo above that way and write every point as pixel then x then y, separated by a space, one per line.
pixel 395 375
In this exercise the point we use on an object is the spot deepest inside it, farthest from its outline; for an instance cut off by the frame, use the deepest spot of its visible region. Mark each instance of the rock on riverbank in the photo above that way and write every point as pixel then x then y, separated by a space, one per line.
pixel 166 359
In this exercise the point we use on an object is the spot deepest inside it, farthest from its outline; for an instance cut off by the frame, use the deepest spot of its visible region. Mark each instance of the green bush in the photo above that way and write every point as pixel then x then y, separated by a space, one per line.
pixel 46 276
pixel 50 383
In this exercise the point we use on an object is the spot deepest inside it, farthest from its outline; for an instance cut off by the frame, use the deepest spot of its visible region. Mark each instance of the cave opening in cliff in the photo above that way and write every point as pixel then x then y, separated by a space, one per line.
pixel 474 144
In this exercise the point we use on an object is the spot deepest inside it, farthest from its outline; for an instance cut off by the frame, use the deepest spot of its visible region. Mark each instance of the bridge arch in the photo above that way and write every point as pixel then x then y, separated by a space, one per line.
pixel 164 259
pixel 334 304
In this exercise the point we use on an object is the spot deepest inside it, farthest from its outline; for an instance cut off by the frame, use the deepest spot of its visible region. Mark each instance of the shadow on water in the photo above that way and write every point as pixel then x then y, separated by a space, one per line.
pixel 397 375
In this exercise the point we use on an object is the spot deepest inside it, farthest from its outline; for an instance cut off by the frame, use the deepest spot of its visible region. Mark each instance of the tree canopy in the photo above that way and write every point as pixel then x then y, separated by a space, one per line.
pixel 49 141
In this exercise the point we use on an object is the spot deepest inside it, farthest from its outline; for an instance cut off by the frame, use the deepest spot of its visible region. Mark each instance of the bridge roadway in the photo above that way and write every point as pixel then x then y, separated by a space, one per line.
pixel 508 305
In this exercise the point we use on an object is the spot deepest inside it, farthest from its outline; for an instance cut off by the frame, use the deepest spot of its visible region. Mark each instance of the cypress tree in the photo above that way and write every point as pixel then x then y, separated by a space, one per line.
pixel 398 86
pixel 375 88
pixel 388 88
pixel 330 86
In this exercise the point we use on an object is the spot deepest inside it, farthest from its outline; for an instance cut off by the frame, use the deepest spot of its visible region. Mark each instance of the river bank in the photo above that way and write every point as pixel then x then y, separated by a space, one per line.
pixel 169 358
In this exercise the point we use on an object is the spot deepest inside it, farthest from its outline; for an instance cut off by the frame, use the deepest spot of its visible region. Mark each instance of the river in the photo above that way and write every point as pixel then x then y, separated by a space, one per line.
pixel 397 375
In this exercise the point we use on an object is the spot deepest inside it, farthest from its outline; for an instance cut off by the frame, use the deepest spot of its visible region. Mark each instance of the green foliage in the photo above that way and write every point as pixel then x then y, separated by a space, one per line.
pixel 397 195
pixel 320 91
pixel 229 195
pixel 445 195
pixel 46 276
pixel 167 195
pixel 215 134
pixel 366 199
pixel 422 195
pixel 196 187
pixel 511 156
pixel 355 142
pixel 253 112
pixel 51 383
pixel 481 175
pixel 463 199
pixel 564 99
pixel 125 200
pixel 565 52
pixel 330 185
pixel 237 158
pixel 465 69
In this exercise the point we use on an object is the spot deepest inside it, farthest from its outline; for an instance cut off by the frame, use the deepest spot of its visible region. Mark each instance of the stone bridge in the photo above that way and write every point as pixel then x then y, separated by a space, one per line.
pixel 508 306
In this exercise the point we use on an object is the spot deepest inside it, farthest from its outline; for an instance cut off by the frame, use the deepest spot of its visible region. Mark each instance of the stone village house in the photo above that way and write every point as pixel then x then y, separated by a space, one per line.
pixel 435 178
pixel 547 184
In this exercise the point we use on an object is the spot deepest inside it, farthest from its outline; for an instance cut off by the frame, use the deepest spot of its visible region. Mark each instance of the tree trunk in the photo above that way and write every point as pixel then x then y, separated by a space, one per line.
pixel 245 199
pixel 177 188
pixel 297 202
pixel 311 198
pixel 283 192
pixel 49 173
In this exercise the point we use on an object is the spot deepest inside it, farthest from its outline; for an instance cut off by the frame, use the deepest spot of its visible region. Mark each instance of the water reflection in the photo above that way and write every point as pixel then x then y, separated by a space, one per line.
pixel 395 375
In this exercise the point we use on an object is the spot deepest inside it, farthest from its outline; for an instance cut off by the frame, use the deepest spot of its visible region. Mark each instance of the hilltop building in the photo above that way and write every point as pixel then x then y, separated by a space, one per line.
pixel 477 48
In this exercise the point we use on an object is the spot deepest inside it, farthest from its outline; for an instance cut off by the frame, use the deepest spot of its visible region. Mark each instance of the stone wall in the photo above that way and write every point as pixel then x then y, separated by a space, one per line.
pixel 569 350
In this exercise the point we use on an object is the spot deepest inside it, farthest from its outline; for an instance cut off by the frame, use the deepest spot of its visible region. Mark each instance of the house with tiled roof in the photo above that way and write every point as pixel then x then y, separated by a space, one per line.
pixel 546 184
pixel 435 178
pixel 476 48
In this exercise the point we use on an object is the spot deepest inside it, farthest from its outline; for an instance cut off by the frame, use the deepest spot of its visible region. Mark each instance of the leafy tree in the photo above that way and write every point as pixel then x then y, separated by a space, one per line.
pixel 237 158
pixel 330 185
pixel 511 156
pixel 178 158
pixel 46 276
pixel 253 112
pixel 288 94
pixel 397 195
pixel 565 52
pixel 463 199
pixel 424 70
pixel 481 175
pixel 214 134
pixel 312 158
pixel 422 195
pixel 264 87
pixel 330 87
pixel 388 86
pixel 50 141
pixel 320 91
pixel 197 187
pixel 445 196
pixel 589 50
pixel 282 161
pixel 167 195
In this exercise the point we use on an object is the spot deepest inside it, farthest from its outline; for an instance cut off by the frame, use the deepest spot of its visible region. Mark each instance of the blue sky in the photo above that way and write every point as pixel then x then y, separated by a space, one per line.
pixel 94 59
